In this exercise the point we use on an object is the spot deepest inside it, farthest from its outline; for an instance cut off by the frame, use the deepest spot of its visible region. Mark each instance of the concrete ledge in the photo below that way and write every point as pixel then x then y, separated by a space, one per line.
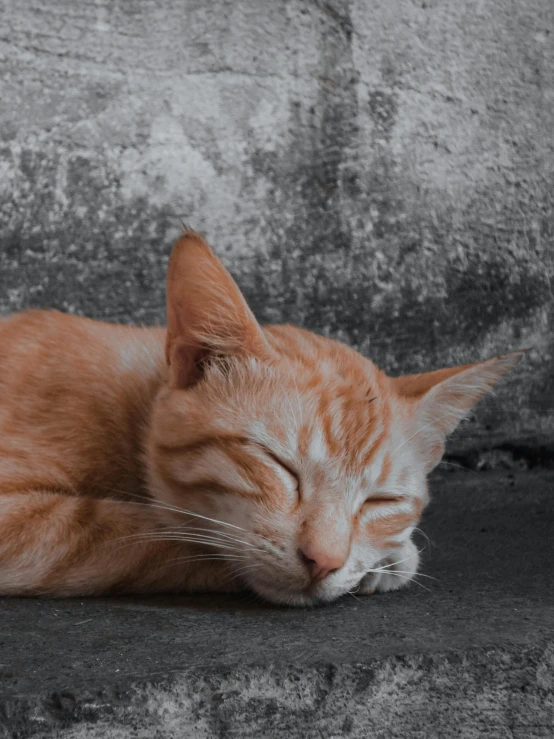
pixel 469 654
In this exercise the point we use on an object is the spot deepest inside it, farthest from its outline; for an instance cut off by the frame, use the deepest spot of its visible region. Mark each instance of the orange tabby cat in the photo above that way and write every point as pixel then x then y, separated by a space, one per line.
pixel 216 455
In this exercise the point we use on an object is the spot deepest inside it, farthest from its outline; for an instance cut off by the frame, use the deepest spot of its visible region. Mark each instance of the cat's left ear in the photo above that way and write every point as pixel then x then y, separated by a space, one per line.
pixel 207 315
pixel 440 400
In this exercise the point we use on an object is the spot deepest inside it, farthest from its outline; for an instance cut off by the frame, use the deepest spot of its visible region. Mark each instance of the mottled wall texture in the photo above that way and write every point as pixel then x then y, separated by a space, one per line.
pixel 381 171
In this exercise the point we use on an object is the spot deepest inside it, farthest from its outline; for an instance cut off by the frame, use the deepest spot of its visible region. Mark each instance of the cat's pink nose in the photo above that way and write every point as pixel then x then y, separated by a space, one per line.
pixel 320 563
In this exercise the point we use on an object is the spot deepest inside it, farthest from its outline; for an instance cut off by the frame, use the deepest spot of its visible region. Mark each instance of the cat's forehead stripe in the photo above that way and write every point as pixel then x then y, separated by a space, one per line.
pixel 385 471
pixel 351 434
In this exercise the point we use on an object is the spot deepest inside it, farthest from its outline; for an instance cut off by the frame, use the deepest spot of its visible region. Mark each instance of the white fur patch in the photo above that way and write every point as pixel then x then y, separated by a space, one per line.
pixel 317 450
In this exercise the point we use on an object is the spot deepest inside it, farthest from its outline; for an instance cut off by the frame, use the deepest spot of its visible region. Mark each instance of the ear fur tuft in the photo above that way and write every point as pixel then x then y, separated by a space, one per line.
pixel 207 314
pixel 441 399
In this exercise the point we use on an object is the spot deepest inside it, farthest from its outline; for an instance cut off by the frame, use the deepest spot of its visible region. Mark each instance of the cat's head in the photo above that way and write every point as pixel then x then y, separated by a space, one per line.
pixel 302 463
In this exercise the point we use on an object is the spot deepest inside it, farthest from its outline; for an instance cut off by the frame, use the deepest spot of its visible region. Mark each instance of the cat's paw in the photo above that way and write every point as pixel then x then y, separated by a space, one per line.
pixel 398 571
pixel 368 584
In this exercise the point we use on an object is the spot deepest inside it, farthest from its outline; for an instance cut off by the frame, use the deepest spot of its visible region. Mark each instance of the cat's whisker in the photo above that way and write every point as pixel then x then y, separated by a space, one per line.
pixel 272 550
pixel 214 537
pixel 201 558
pixel 218 533
pixel 169 533
pixel 182 540
pixel 406 572
pixel 351 592
pixel 418 574
pixel 186 512
pixel 205 558
pixel 234 574
pixel 398 573
pixel 193 514
pixel 430 542
pixel 188 560
pixel 145 500
pixel 211 534
pixel 249 566
pixel 399 561
pixel 240 572
pixel 421 585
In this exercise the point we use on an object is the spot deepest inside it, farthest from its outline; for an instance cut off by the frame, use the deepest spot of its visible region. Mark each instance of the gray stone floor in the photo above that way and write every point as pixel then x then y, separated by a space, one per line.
pixel 470 653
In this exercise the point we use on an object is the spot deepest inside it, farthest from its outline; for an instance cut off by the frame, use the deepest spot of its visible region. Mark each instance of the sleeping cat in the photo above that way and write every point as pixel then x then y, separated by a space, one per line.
pixel 216 455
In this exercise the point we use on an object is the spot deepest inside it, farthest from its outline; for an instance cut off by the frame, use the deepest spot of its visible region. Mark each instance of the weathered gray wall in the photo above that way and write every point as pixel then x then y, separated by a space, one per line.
pixel 381 170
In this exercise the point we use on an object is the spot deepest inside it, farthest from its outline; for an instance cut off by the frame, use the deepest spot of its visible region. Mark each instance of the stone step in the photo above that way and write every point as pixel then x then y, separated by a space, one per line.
pixel 468 654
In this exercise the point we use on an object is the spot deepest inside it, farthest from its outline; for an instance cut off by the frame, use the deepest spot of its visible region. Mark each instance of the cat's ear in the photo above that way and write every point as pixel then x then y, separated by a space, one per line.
pixel 440 400
pixel 206 313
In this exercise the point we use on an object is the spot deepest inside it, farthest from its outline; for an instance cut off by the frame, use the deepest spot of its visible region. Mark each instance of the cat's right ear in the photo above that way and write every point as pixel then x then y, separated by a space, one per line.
pixel 439 400
pixel 207 315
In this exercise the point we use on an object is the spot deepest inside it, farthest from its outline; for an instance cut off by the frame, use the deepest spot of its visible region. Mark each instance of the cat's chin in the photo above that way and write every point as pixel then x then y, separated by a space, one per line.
pixel 296 598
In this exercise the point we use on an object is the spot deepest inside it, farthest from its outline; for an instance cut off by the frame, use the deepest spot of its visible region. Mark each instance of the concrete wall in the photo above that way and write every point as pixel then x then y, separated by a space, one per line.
pixel 379 170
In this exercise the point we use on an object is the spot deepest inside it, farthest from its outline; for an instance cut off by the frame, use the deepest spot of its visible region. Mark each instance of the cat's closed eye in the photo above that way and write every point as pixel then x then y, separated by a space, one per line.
pixel 382 498
pixel 295 481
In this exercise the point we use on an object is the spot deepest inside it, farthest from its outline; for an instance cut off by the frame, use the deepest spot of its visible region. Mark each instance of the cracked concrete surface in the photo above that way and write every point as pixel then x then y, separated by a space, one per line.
pixel 468 654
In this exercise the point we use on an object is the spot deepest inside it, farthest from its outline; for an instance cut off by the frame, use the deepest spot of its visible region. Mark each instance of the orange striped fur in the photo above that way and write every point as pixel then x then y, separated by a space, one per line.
pixel 214 455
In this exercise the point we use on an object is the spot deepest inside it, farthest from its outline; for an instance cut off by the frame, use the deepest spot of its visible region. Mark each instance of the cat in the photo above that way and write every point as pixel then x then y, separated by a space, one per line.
pixel 216 455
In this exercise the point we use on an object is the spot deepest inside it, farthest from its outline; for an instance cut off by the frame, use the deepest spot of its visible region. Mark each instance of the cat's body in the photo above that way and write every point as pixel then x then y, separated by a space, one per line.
pixel 214 455
pixel 75 396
